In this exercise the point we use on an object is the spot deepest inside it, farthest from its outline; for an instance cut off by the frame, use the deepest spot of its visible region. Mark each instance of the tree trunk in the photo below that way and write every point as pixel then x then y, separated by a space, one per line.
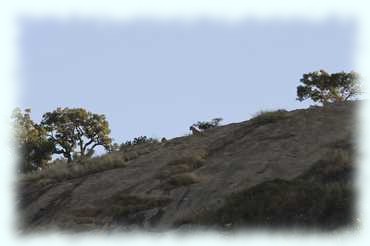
pixel 69 158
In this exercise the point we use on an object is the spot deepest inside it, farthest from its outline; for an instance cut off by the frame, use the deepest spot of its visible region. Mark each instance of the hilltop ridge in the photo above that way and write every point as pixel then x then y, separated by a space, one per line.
pixel 278 169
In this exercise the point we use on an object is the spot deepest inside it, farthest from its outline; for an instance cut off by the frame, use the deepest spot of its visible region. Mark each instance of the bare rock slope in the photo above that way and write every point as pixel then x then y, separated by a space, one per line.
pixel 281 168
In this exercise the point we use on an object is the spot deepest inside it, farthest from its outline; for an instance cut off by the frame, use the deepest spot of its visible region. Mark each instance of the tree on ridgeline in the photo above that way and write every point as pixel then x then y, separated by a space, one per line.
pixel 322 87
pixel 33 146
pixel 76 132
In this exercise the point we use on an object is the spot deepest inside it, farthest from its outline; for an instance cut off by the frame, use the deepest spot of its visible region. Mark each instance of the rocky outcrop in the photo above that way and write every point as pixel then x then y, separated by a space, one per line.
pixel 263 171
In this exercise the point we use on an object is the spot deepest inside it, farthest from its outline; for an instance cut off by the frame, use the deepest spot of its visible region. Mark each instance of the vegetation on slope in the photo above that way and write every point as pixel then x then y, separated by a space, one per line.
pixel 321 198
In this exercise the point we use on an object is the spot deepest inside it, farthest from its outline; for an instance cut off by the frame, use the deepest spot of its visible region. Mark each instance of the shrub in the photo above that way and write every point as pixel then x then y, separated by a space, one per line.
pixel 266 117
pixel 138 141
pixel 177 172
pixel 204 125
pixel 183 179
pixel 336 165
pixel 289 203
pixel 321 198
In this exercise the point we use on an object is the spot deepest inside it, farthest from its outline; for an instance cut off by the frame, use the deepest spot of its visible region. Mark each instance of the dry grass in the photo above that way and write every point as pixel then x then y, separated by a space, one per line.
pixel 321 198
pixel 183 179
pixel 337 164
pixel 339 159
pixel 135 151
pixel 193 162
pixel 180 165
pixel 60 170
pixel 266 117
pixel 178 172
pixel 289 203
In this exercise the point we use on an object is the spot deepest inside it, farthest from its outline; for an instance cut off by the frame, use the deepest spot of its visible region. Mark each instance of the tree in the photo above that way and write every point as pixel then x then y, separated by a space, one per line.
pixel 76 132
pixel 323 87
pixel 31 142
pixel 204 125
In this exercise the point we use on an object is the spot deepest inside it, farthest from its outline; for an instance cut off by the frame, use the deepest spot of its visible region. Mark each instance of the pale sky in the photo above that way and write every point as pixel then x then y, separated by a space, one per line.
pixel 156 78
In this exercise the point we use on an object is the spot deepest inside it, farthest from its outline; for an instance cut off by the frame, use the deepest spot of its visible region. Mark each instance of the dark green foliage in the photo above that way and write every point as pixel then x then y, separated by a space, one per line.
pixel 143 139
pixel 323 87
pixel 31 142
pixel 138 141
pixel 71 132
pixel 204 125
pixel 76 132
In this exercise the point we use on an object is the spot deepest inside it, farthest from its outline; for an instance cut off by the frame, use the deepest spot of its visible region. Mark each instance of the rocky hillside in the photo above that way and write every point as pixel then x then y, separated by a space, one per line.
pixel 278 169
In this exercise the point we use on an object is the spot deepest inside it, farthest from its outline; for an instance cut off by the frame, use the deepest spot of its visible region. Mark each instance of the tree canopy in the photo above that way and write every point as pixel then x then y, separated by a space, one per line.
pixel 323 87
pixel 76 132
pixel 31 142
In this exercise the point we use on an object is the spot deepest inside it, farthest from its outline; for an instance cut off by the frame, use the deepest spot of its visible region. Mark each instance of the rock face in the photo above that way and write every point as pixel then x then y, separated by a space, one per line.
pixel 257 172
